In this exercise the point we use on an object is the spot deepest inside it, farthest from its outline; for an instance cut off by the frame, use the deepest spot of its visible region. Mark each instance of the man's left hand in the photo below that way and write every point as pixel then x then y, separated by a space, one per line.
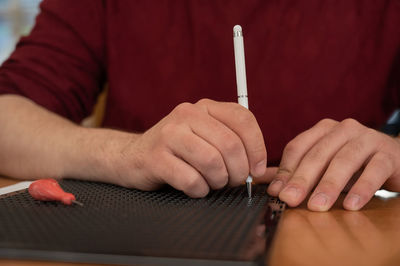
pixel 327 156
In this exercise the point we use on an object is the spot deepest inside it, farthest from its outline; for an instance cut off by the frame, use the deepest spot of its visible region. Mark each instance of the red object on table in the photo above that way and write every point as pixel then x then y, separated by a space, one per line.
pixel 49 190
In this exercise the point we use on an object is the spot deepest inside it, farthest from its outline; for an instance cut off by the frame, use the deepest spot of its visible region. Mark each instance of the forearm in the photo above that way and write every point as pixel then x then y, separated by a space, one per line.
pixel 194 148
pixel 36 143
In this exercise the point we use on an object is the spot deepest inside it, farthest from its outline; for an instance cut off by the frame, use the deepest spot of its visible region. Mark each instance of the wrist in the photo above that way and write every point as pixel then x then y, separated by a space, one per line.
pixel 96 154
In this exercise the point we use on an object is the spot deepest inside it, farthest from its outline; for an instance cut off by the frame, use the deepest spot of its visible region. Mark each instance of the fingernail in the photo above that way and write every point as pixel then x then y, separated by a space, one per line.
pixel 319 200
pixel 275 186
pixel 260 168
pixel 352 202
pixel 289 193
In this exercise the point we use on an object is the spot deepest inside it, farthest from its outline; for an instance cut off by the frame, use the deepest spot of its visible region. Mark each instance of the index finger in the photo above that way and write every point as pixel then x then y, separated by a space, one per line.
pixel 295 151
pixel 241 121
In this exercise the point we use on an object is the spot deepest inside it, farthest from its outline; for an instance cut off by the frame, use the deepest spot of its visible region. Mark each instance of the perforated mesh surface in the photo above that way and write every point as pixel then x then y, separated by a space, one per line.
pixel 120 221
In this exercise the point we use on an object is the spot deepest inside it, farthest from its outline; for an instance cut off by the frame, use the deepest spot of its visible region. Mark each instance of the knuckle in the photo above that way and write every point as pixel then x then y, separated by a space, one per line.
pixel 167 130
pixel 356 146
pixel 283 171
pixel 188 145
pixel 326 122
pixel 313 158
pixel 220 181
pixel 243 116
pixel 204 101
pixel 291 148
pixel 370 132
pixel 231 145
pixel 330 184
pixel 346 158
pixel 387 143
pixel 300 180
pixel 191 183
pixel 386 161
pixel 350 123
pixel 366 186
pixel 213 160
pixel 316 154
pixel 183 109
pixel 259 152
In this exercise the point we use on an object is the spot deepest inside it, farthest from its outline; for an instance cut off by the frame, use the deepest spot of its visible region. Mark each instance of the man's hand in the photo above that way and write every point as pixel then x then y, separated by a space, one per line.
pixel 327 156
pixel 196 147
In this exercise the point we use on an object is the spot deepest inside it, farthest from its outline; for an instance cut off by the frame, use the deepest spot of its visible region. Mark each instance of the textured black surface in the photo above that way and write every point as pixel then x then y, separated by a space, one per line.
pixel 126 222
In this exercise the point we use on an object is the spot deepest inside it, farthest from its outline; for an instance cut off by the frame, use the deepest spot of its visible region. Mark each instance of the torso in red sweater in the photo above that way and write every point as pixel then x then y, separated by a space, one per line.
pixel 306 60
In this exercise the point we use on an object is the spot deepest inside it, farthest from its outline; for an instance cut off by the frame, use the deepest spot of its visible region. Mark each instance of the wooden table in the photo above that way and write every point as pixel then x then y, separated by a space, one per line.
pixel 338 237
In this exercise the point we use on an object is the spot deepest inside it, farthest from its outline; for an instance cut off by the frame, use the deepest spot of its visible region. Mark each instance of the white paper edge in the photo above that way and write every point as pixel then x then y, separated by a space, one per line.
pixel 16 187
pixel 386 194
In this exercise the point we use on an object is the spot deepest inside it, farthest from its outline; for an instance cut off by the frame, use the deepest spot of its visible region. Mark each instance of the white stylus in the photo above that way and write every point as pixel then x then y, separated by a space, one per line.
pixel 241 79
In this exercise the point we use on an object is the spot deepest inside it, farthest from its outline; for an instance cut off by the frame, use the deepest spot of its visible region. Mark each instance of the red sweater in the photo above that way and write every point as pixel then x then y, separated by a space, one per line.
pixel 306 60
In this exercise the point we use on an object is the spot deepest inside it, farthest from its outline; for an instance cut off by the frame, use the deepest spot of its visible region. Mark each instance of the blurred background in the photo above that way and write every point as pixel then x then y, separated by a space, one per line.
pixel 16 18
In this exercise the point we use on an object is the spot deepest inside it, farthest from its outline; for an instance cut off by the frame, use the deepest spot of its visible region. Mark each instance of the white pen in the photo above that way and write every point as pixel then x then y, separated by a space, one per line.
pixel 241 79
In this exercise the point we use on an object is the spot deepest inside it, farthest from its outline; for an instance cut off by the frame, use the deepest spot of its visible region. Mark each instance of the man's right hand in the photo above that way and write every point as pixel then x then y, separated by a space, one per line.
pixel 196 147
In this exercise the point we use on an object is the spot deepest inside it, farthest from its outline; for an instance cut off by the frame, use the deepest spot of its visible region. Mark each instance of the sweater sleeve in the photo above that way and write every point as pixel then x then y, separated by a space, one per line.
pixel 61 64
